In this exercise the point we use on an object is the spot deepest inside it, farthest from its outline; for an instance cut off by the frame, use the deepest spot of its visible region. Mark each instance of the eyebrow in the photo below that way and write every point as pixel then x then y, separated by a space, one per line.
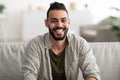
pixel 56 18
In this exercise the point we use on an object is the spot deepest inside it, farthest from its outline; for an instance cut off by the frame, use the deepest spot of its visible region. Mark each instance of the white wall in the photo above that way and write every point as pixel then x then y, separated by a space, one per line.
pixel 99 8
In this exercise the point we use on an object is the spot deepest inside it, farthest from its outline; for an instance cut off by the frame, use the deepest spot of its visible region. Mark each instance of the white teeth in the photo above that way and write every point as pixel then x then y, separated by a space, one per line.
pixel 59 30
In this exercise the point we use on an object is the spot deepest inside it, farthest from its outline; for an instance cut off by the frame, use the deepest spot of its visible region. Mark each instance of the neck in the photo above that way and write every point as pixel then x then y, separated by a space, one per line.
pixel 58 46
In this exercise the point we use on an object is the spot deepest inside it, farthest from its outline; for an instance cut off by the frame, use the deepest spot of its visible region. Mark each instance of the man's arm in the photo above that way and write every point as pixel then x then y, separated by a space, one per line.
pixel 88 63
pixel 30 64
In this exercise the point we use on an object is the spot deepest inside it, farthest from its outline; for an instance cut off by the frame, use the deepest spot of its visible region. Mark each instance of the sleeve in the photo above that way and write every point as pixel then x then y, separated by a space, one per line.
pixel 88 61
pixel 30 65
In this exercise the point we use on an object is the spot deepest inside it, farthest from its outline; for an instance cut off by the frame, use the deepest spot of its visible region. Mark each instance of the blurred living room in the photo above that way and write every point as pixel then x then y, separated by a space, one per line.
pixel 94 20
pixel 98 21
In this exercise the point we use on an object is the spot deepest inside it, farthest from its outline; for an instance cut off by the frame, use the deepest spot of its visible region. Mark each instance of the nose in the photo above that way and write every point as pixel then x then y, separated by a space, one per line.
pixel 59 23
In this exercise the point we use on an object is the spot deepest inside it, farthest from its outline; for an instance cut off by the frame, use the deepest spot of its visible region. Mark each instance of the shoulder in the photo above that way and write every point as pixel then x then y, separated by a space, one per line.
pixel 38 40
pixel 75 38
pixel 77 41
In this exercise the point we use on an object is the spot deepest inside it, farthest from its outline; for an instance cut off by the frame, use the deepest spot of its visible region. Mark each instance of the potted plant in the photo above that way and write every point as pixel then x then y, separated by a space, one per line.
pixel 1 8
pixel 115 24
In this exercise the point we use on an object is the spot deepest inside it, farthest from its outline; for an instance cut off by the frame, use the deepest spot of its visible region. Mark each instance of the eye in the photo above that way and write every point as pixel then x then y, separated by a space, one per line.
pixel 64 20
pixel 53 21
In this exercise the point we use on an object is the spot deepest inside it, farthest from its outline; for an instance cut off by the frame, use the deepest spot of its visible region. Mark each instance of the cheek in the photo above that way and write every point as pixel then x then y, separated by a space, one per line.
pixel 52 25
pixel 67 25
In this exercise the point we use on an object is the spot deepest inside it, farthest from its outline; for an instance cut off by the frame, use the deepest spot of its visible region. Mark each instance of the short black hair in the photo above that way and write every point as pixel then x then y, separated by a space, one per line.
pixel 56 6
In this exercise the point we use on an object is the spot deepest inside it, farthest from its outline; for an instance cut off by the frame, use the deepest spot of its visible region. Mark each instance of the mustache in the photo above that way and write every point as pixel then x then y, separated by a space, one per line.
pixel 59 28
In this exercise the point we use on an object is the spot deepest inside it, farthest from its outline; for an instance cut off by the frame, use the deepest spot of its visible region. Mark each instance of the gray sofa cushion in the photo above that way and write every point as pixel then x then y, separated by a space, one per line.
pixel 107 56
pixel 10 61
pixel 108 59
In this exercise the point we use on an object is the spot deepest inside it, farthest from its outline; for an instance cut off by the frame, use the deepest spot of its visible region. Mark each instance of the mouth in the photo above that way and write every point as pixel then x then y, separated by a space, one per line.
pixel 59 30
pixel 58 33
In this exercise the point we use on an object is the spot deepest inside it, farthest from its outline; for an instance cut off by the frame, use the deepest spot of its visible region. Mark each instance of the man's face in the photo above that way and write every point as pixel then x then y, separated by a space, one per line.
pixel 58 24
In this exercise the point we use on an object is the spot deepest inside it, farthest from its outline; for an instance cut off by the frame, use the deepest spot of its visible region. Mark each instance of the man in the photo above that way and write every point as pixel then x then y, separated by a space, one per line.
pixel 59 55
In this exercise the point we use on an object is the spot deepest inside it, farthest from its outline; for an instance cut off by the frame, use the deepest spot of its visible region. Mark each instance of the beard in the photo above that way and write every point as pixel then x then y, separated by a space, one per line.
pixel 59 37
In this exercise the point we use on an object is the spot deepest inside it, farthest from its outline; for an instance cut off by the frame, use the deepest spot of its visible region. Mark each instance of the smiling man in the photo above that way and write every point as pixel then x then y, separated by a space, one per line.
pixel 57 22
pixel 59 55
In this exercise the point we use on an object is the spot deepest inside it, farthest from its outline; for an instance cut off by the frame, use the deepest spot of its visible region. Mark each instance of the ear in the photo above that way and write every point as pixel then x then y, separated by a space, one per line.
pixel 69 21
pixel 46 23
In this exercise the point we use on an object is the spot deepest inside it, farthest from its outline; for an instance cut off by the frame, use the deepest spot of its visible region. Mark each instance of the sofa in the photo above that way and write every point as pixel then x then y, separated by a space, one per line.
pixel 107 57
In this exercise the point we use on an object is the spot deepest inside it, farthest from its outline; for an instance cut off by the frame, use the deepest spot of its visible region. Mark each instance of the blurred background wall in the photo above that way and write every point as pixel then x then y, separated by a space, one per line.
pixel 22 20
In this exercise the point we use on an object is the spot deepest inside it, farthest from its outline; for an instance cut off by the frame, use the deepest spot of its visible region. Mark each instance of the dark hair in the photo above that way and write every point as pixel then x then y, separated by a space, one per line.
pixel 56 6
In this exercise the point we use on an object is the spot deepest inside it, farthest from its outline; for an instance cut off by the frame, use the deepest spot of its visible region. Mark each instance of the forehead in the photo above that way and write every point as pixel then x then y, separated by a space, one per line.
pixel 57 14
